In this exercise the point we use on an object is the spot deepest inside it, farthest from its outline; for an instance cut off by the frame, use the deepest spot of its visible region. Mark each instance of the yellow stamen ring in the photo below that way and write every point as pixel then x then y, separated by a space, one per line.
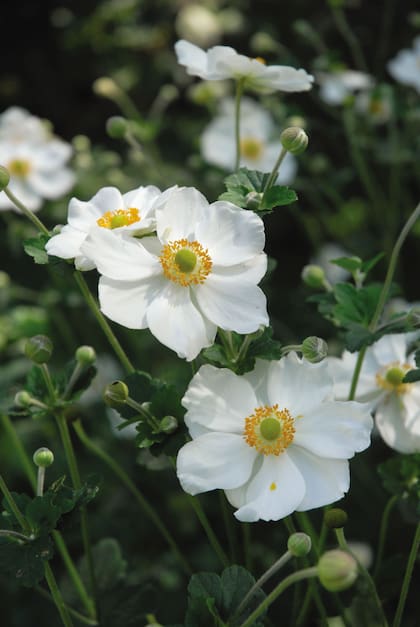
pixel 19 167
pixel 390 377
pixel 251 148
pixel 120 217
pixel 185 262
pixel 269 430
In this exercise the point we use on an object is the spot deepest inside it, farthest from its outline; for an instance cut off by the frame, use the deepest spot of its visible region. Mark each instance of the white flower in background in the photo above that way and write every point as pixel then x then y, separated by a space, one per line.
pixel 273 439
pixel 18 125
pixel 397 404
pixel 222 62
pixel 259 151
pixel 405 67
pixel 131 213
pixel 200 272
pixel 198 24
pixel 328 251
pixel 335 87
pixel 375 104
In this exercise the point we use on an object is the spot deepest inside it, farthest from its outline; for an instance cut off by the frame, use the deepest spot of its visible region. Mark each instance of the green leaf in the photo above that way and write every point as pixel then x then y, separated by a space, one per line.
pixel 348 263
pixel 236 582
pixel 110 567
pixel 277 196
pixel 204 593
pixel 412 376
pixel 24 562
pixel 400 476
pixel 35 248
pixel 371 263
pixel 127 606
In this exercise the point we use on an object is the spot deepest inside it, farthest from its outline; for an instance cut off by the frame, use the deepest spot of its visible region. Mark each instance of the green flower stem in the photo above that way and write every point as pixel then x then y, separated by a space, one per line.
pixel 103 323
pixel 18 448
pixel 407 578
pixel 56 595
pixel 13 506
pixel 382 533
pixel 15 534
pixel 246 536
pixel 289 524
pixel 356 373
pixel 226 339
pixel 80 617
pixel 244 347
pixel 238 98
pixel 273 176
pixel 215 544
pixel 230 531
pixel 40 481
pixel 153 422
pixel 306 573
pixel 48 381
pixel 29 214
pixel 78 369
pixel 307 526
pixel 346 31
pixel 141 500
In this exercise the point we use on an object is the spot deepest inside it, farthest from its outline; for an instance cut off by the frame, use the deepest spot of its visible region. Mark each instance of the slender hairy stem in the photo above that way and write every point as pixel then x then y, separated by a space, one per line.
pixel 13 506
pixel 407 578
pixel 18 448
pixel 356 373
pixel 307 526
pixel 141 500
pixel 215 544
pixel 273 176
pixel 382 533
pixel 29 214
pixel 119 351
pixel 56 595
pixel 239 92
pixel 226 339
pixel 73 379
pixel 306 573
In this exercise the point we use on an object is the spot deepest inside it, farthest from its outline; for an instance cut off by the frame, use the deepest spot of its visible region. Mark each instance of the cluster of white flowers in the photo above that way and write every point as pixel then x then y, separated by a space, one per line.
pixel 35 159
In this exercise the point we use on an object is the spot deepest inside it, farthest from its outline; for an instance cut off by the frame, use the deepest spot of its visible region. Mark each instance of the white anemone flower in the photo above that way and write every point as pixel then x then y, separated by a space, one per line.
pixel 18 125
pixel 131 213
pixel 335 87
pixel 273 439
pixel 259 151
pixel 198 273
pixel 222 62
pixel 397 404
pixel 405 67
pixel 37 171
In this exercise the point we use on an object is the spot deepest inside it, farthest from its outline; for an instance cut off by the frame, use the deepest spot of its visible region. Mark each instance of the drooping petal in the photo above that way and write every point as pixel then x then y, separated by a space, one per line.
pixel 206 463
pixel 127 302
pixel 275 491
pixel 335 429
pixel 392 425
pixel 176 322
pixel 219 400
pixel 326 480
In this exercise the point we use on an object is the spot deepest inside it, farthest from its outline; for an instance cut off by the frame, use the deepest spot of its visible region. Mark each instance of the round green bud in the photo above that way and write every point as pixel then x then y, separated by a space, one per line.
pixel 337 570
pixel 335 518
pixel 106 87
pixel 23 399
pixel 4 178
pixel 168 424
pixel 313 276
pixel 115 394
pixel 314 349
pixel 43 457
pixel 39 349
pixel 85 355
pixel 294 140
pixel 253 200
pixel 299 544
pixel 117 127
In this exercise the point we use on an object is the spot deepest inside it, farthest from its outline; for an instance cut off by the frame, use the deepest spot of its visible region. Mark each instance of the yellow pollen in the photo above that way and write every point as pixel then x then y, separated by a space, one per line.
pixel 19 167
pixel 120 217
pixel 390 377
pixel 251 148
pixel 273 486
pixel 269 446
pixel 260 60
pixel 177 264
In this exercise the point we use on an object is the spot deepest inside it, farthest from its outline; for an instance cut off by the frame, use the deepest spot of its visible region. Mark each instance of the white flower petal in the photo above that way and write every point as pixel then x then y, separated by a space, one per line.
pixel 127 302
pixel 52 184
pixel 66 244
pixel 175 321
pixel 326 480
pixel 52 155
pixel 107 199
pixel 206 463
pixel 335 429
pixel 276 490
pixel 178 216
pixel 390 348
pixel 82 215
pixel 24 193
pixel 192 57
pixel 391 422
pixel 219 400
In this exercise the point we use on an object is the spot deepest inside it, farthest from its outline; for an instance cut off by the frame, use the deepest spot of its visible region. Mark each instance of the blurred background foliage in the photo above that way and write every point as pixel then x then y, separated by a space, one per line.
pixel 78 63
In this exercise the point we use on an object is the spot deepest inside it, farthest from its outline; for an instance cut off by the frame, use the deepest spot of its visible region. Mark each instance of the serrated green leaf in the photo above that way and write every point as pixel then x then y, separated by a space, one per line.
pixel 278 196
pixel 24 562
pixel 35 248
pixel 127 606
pixel 235 197
pixel 236 582
pixel 203 588
pixel 371 263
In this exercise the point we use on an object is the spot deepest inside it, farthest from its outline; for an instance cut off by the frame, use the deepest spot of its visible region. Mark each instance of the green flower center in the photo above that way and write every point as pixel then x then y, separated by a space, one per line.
pixel 394 376
pixel 120 217
pixel 270 428
pixel 186 260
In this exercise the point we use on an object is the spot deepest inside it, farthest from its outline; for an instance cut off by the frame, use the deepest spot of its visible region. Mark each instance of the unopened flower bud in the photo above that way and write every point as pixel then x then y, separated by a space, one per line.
pixel 294 140
pixel 39 349
pixel 337 570
pixel 168 424
pixel 299 544
pixel 115 394
pixel 4 178
pixel 85 355
pixel 253 200
pixel 335 518
pixel 314 349
pixel 106 87
pixel 117 127
pixel 313 276
pixel 23 399
pixel 43 457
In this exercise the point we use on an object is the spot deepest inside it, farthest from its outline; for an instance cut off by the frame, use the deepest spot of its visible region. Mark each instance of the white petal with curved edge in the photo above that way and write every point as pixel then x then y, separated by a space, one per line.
pixel 275 491
pixel 52 184
pixel 326 480
pixel 392 426
pixel 107 199
pixel 335 429
pixel 342 372
pixel 127 302
pixel 178 216
pixel 175 321
pixel 52 155
pixel 232 305
pixel 231 235
pixel 214 461
pixel 192 57
pixel 390 348
pixel 141 198
pixel 411 402
pixel 82 215
pixel 66 244
pixel 219 399
pixel 120 257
